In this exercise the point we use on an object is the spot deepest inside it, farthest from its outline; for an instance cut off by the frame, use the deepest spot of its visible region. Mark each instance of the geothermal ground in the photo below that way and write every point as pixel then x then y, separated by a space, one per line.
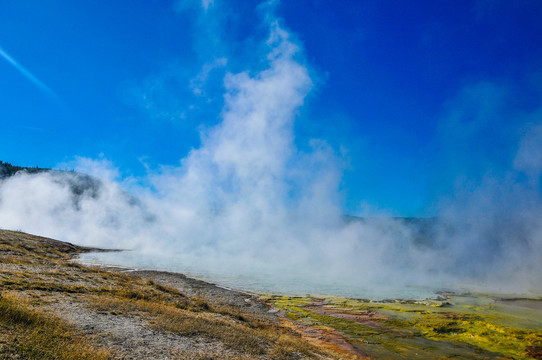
pixel 53 308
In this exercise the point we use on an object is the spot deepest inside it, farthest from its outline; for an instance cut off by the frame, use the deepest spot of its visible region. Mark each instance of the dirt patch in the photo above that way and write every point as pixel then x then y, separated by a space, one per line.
pixel 132 337
pixel 216 295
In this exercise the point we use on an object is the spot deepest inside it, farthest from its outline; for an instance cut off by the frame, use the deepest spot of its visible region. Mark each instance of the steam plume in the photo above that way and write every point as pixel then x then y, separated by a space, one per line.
pixel 248 201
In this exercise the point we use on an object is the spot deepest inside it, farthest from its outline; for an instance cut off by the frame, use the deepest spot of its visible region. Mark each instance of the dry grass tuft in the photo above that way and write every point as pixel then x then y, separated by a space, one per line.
pixel 41 336
pixel 255 338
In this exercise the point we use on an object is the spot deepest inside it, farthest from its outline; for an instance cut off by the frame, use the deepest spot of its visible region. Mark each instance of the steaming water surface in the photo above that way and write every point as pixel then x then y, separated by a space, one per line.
pixel 249 277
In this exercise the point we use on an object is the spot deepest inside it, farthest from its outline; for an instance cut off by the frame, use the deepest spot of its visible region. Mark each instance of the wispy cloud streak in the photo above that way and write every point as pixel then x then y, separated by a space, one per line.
pixel 29 75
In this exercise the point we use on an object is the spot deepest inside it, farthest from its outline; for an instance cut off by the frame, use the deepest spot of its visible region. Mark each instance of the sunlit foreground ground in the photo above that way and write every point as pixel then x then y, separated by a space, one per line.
pixel 53 308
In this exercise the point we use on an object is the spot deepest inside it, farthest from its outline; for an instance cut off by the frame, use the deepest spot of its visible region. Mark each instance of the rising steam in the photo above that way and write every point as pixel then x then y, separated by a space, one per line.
pixel 248 201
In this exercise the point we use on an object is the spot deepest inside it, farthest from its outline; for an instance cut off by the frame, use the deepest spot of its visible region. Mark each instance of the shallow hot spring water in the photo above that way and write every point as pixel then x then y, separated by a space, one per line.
pixel 256 278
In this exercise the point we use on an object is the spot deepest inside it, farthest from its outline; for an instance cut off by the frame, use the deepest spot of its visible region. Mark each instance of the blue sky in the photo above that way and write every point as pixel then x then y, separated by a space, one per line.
pixel 417 98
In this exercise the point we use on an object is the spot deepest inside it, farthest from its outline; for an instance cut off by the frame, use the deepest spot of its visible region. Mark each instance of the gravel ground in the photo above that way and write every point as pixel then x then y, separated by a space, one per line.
pixel 131 337
pixel 216 295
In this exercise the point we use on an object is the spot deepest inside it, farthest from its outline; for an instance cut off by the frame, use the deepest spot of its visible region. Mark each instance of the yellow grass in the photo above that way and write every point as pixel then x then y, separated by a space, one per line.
pixel 42 336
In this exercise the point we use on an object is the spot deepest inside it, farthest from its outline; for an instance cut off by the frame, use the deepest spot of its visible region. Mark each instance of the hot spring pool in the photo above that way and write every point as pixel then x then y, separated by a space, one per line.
pixel 254 277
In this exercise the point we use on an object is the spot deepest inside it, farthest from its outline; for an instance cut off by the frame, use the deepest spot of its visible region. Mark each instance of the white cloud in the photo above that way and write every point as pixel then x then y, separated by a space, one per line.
pixel 206 4
pixel 198 82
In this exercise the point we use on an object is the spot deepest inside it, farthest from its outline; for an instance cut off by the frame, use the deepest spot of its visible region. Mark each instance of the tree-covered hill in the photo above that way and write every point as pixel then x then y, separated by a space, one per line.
pixel 7 169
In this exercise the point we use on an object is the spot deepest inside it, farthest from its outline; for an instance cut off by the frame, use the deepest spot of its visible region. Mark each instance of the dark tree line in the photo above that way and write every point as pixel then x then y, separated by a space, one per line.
pixel 7 169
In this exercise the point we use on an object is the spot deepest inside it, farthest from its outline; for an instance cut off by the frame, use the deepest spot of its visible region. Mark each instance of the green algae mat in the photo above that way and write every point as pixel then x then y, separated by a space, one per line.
pixel 452 326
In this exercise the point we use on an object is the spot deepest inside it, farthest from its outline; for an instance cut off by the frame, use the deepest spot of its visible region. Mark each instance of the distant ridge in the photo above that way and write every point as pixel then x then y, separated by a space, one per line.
pixel 423 229
pixel 404 219
pixel 7 169
pixel 79 184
